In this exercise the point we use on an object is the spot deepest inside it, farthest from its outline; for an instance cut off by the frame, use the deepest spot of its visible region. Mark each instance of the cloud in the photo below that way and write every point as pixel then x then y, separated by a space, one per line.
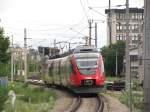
pixel 51 15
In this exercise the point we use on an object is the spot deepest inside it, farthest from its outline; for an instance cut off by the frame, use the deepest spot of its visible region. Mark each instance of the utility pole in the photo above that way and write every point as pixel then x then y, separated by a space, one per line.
pixel 116 63
pixel 147 56
pixel 25 54
pixel 90 31
pixel 69 46
pixel 109 22
pixel 54 43
pixel 128 64
pixel 12 61
pixel 43 51
pixel 127 46
pixel 86 40
pixel 95 34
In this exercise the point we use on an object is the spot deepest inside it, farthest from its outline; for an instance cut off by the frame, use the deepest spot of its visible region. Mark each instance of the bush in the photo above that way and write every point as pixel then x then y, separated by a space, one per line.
pixel 5 69
pixel 30 98
pixel 137 100
pixel 36 95
pixel 32 94
pixel 3 97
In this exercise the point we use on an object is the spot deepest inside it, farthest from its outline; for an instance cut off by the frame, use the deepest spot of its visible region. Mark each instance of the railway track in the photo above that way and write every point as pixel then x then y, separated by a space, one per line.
pixel 87 104
pixel 80 103
pixel 101 104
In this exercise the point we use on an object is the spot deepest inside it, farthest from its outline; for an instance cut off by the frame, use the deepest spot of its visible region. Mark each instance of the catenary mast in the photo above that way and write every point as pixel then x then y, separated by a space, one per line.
pixel 147 56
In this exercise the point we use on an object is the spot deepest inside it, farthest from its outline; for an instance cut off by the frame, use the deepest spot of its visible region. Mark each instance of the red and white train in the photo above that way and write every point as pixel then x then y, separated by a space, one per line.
pixel 82 71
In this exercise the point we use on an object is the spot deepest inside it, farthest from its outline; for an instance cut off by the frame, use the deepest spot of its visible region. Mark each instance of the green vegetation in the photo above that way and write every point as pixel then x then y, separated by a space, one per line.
pixel 30 98
pixel 123 97
pixel 4 65
pixel 109 78
pixel 5 69
pixel 33 67
pixel 137 99
pixel 4 45
pixel 4 55
pixel 3 97
pixel 109 54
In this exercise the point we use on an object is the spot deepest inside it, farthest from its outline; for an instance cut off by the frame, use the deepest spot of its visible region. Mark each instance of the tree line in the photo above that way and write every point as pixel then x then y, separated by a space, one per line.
pixel 110 54
pixel 4 54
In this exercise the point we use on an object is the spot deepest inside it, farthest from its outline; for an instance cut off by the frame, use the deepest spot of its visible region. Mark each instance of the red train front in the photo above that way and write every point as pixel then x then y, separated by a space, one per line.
pixel 88 70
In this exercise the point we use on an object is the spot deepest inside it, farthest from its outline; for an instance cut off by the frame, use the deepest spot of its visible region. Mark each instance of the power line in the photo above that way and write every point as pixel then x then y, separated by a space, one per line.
pixel 107 6
pixel 84 10
pixel 79 32
pixel 47 25
pixel 97 12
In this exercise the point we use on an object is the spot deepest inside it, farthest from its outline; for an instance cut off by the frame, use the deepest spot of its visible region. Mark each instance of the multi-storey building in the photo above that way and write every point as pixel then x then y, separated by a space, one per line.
pixel 116 19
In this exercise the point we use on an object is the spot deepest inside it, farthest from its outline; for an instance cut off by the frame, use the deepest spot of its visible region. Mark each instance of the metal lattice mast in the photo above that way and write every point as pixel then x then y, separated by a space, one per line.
pixel 25 55
pixel 127 47
pixel 128 63
pixel 147 56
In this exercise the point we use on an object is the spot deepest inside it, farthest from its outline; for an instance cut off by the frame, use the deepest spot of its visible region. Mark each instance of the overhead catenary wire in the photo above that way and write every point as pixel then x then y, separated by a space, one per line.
pixel 37 31
pixel 104 7
pixel 85 12
pixel 97 12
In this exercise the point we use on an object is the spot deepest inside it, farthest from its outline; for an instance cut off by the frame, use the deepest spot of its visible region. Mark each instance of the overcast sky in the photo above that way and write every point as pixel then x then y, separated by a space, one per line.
pixel 47 20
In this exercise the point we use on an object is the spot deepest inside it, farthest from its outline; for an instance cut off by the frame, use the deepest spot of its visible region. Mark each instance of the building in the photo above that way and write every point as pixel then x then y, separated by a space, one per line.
pixel 49 51
pixel 18 60
pixel 116 20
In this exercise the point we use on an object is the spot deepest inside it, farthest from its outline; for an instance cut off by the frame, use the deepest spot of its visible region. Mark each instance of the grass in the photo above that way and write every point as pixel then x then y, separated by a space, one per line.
pixel 3 97
pixel 137 99
pixel 137 94
pixel 21 106
pixel 30 99
pixel 109 78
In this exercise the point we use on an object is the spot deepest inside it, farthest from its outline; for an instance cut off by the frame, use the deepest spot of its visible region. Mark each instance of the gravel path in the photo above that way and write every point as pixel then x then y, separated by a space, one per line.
pixel 114 105
pixel 64 100
pixel 88 105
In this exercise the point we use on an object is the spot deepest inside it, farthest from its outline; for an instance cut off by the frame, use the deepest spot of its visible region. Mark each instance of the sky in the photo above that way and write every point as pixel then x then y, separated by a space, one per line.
pixel 63 20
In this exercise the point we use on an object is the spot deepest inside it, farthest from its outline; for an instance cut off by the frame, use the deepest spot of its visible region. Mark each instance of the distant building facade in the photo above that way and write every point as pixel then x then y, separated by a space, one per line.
pixel 49 51
pixel 18 58
pixel 116 19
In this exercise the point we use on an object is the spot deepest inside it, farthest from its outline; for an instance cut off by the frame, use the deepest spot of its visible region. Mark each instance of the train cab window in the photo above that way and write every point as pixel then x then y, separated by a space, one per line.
pixel 86 63
pixel 87 66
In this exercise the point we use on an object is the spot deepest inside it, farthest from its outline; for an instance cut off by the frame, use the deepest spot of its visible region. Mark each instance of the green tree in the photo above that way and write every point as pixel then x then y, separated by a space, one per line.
pixel 109 54
pixel 4 54
pixel 4 45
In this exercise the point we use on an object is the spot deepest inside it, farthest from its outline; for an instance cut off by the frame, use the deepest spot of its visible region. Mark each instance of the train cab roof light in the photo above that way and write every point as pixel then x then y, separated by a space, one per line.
pixel 85 49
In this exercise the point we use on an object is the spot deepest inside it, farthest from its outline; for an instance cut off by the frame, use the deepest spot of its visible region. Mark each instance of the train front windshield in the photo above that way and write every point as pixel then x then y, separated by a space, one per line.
pixel 87 66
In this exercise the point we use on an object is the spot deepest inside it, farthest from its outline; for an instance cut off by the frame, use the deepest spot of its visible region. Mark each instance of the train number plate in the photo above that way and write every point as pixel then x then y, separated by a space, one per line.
pixel 88 82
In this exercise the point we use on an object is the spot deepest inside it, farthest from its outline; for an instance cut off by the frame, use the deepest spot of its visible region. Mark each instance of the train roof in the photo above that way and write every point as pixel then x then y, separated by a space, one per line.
pixel 85 49
pixel 87 55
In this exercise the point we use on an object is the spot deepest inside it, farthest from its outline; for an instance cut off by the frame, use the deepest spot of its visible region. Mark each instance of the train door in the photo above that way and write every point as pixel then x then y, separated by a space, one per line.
pixel 50 78
pixel 63 72
pixel 69 70
pixel 56 72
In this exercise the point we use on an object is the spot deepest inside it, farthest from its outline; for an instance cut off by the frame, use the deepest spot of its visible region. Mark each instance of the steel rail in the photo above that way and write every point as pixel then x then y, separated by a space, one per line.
pixel 100 103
